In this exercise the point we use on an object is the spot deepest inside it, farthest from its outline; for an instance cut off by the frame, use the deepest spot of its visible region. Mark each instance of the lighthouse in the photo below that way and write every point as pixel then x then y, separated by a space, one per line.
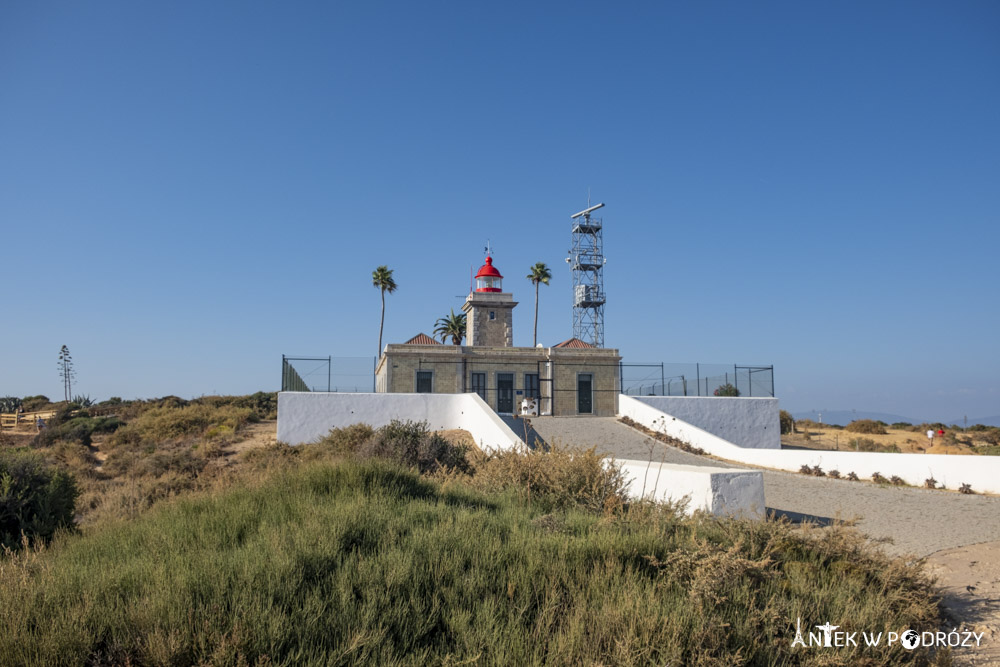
pixel 489 310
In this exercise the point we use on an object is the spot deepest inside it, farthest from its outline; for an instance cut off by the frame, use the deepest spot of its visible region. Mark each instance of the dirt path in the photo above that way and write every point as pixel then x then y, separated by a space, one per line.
pixel 261 434
pixel 969 578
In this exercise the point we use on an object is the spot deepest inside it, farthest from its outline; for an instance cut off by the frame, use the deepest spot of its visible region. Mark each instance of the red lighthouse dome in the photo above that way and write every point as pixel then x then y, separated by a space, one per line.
pixel 489 279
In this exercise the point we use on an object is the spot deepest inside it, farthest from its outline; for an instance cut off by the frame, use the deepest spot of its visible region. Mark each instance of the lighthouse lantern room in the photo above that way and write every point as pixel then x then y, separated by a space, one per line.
pixel 489 279
pixel 489 310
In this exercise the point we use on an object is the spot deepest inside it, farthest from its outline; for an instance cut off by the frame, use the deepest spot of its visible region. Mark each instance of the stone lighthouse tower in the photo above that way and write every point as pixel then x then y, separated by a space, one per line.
pixel 489 310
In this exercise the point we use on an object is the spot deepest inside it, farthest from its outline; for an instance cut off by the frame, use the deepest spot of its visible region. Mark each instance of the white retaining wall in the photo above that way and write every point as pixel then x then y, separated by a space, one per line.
pixel 720 491
pixel 747 422
pixel 308 416
pixel 982 473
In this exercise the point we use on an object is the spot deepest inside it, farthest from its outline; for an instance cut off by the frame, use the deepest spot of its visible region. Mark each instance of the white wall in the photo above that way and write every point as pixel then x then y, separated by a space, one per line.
pixel 747 422
pixel 981 472
pixel 720 491
pixel 308 416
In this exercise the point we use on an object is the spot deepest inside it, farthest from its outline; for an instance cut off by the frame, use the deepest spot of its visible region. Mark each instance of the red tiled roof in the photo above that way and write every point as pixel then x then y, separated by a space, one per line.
pixel 575 343
pixel 421 339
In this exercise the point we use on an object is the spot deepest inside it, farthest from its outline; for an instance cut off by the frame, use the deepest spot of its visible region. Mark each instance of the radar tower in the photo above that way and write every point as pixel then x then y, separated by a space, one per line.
pixel 586 260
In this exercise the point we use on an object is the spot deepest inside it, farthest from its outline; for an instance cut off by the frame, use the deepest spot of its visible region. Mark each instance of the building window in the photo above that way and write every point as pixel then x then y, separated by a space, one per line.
pixel 531 385
pixel 493 314
pixel 425 384
pixel 479 384
pixel 585 393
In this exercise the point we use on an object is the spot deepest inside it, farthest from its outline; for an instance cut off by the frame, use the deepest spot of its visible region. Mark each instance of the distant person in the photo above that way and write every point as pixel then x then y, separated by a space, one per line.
pixel 940 433
pixel 39 424
pixel 930 435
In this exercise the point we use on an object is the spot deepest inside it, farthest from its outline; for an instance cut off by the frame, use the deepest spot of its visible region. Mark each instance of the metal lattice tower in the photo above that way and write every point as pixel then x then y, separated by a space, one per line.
pixel 586 260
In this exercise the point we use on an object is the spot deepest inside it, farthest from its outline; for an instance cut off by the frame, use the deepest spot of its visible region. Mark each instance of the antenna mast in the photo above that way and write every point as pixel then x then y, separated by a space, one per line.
pixel 586 260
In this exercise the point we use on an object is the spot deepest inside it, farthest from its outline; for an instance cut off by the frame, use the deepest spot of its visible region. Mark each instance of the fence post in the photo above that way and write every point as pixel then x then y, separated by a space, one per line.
pixel 697 371
pixel 283 362
pixel 750 377
pixel 663 387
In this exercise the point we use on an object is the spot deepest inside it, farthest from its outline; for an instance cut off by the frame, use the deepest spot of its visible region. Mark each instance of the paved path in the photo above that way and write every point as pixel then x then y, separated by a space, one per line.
pixel 918 521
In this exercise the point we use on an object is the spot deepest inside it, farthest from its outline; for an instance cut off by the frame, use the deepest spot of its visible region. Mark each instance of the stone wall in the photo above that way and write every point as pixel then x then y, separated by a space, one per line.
pixel 452 367
pixel 481 330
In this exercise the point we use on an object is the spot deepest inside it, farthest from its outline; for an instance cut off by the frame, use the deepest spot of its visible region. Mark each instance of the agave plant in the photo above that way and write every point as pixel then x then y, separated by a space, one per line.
pixel 9 404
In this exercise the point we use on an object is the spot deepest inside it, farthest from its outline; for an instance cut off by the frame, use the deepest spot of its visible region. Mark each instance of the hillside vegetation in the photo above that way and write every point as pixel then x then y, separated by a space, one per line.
pixel 396 546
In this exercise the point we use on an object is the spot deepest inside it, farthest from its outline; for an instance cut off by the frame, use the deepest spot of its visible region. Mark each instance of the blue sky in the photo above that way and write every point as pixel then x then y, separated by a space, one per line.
pixel 189 190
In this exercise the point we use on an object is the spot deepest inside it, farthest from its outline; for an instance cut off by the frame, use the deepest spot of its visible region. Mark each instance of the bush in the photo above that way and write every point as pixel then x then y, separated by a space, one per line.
pixel 35 499
pixel 188 421
pixel 727 390
pixel 557 479
pixel 869 445
pixel 76 429
pixel 787 422
pixel 869 426
pixel 9 404
pixel 990 436
pixel 348 439
pixel 262 405
pixel 411 444
pixel 35 403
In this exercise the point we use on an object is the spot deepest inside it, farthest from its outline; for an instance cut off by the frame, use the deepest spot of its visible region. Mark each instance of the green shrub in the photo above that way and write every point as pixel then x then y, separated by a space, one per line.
pixel 262 405
pixel 411 444
pixel 901 426
pixel 990 436
pixel 869 426
pixel 787 422
pixel 35 403
pixel 869 445
pixel 557 479
pixel 187 421
pixel 727 390
pixel 75 429
pixel 348 439
pixel 35 499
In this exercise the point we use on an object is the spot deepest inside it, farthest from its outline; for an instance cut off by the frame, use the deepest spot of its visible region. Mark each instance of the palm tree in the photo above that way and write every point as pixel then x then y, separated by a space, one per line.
pixel 453 325
pixel 382 279
pixel 539 274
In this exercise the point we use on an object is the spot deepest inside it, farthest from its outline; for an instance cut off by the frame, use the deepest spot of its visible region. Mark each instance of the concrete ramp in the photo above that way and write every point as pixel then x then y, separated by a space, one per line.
pixel 658 472
pixel 613 438
pixel 524 429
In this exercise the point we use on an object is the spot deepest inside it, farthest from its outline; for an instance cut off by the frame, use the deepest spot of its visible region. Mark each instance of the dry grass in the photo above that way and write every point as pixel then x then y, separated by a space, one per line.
pixel 829 438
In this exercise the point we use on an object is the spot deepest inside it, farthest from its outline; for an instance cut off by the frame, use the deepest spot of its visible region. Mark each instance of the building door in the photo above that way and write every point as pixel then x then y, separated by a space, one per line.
pixel 479 384
pixel 585 393
pixel 505 392
pixel 531 385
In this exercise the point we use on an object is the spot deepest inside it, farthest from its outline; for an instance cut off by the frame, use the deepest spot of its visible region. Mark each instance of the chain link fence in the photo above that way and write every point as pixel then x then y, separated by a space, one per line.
pixel 349 374
pixel 357 374
pixel 697 379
